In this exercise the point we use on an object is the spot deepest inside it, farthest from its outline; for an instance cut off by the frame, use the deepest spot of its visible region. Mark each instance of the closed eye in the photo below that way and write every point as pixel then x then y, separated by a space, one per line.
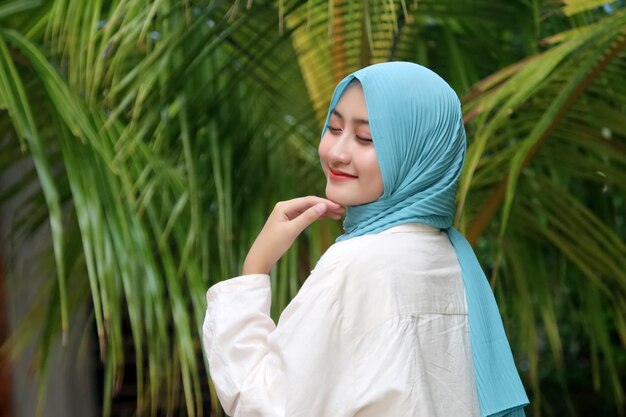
pixel 338 130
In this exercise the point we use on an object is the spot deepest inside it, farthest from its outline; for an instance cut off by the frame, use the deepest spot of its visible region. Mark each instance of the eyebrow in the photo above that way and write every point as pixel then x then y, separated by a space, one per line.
pixel 357 121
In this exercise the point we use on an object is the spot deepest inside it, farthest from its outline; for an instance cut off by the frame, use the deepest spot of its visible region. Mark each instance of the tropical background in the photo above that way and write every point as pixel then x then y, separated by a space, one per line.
pixel 146 141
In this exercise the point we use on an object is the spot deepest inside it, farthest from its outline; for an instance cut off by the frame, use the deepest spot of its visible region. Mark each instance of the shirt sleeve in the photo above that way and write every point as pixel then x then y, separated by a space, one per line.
pixel 235 331
pixel 298 368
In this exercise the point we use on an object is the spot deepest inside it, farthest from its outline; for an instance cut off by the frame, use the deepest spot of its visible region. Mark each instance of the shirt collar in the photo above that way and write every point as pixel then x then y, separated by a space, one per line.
pixel 411 227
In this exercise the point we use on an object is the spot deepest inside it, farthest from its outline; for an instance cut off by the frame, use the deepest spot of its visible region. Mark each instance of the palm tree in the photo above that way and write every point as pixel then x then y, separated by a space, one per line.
pixel 161 134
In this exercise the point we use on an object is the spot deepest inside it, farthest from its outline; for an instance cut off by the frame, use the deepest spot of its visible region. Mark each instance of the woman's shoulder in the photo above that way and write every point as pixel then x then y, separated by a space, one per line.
pixel 407 270
pixel 408 242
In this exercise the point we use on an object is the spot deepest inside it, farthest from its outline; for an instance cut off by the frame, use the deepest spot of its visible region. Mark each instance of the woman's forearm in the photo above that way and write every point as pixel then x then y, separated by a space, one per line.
pixel 255 266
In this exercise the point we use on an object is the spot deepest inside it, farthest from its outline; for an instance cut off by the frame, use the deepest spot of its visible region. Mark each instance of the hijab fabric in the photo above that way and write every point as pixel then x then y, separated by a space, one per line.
pixel 417 129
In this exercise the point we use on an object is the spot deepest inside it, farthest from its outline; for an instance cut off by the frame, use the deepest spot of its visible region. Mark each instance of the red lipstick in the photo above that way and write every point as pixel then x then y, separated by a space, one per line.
pixel 339 176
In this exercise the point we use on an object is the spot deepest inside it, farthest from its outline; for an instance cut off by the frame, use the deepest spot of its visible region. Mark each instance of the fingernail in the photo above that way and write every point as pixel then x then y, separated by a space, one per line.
pixel 321 208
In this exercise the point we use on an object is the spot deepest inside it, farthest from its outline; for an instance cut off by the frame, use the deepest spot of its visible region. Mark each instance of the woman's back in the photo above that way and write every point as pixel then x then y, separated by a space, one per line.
pixel 380 328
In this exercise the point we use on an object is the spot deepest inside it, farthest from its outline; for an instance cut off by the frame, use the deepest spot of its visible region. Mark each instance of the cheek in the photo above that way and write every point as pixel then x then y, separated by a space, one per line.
pixel 323 148
pixel 371 163
pixel 374 175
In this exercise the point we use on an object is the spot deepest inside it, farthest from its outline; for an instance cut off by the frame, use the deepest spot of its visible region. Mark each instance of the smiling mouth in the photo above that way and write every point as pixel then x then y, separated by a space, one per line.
pixel 340 175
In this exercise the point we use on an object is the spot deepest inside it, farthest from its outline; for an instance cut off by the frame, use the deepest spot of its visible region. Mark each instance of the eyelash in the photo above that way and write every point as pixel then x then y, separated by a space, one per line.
pixel 335 130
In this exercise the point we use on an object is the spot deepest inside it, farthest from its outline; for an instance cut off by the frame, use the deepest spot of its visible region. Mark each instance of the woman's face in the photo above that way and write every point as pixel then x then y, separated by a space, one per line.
pixel 347 152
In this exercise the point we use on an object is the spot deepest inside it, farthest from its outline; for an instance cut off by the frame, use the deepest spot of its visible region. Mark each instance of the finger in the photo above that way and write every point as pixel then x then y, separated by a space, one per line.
pixel 339 210
pixel 292 209
pixel 303 203
pixel 315 198
pixel 309 216
pixel 334 215
pixel 334 212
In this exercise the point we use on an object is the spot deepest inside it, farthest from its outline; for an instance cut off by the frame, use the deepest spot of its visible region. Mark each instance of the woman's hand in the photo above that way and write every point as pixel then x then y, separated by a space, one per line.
pixel 285 223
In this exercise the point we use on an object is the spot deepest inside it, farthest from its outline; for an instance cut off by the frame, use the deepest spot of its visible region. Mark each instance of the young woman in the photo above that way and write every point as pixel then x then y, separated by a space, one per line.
pixel 397 317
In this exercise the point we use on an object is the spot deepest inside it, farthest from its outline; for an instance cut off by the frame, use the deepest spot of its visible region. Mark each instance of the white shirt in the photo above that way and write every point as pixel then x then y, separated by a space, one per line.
pixel 379 328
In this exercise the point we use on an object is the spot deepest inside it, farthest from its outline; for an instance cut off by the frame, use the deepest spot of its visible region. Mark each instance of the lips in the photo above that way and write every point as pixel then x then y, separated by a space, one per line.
pixel 340 174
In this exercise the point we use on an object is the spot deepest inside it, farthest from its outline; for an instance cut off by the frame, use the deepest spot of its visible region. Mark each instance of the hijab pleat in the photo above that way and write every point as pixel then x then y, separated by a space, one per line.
pixel 417 128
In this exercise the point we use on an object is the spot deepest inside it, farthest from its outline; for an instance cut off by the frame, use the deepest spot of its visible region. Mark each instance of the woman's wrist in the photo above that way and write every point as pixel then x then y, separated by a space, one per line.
pixel 250 267
pixel 254 271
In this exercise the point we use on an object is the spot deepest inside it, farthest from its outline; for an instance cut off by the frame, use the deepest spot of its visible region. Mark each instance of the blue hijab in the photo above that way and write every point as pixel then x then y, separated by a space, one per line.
pixel 417 127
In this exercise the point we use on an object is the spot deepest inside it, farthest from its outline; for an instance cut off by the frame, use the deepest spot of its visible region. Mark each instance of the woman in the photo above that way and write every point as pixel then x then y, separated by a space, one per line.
pixel 396 318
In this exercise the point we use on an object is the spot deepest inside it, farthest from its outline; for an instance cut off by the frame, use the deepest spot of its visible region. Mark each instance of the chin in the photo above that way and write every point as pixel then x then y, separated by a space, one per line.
pixel 340 198
pixel 336 198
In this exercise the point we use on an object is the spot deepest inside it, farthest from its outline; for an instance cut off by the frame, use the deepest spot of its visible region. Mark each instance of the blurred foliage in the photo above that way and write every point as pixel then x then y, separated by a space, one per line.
pixel 158 135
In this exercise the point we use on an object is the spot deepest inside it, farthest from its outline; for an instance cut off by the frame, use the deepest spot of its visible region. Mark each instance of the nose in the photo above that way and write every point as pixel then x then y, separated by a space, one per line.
pixel 339 153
